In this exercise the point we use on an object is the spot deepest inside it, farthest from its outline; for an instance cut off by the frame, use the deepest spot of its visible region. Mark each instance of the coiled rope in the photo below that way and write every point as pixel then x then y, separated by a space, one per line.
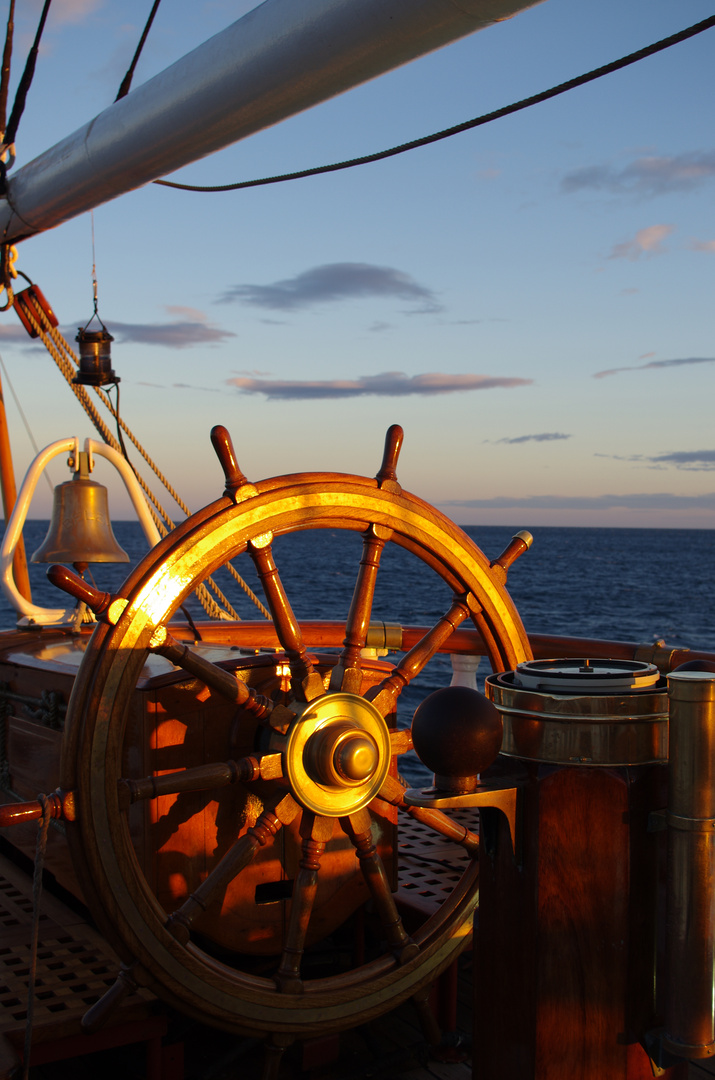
pixel 67 362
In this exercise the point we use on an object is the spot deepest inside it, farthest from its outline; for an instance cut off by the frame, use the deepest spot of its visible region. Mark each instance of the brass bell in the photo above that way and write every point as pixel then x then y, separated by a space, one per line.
pixel 80 531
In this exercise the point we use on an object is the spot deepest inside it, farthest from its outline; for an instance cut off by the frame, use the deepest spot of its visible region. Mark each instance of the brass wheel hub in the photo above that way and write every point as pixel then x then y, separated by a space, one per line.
pixel 338 754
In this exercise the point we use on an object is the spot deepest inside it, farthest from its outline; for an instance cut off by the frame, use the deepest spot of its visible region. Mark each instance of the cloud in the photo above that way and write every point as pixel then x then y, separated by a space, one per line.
pixel 691 460
pixel 638 459
pixel 14 335
pixel 193 329
pixel 191 313
pixel 182 386
pixel 702 245
pixel 332 282
pixel 546 436
pixel 680 362
pixel 190 386
pixel 174 335
pixel 388 384
pixel 637 501
pixel 647 241
pixel 74 11
pixel 645 176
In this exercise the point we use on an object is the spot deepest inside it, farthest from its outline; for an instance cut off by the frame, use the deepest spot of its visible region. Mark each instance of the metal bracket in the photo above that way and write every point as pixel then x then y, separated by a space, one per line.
pixel 660 1060
pixel 493 795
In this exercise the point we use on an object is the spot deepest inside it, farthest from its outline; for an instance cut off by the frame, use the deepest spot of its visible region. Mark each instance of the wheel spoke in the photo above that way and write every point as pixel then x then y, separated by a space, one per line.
pixel 124 985
pixel 392 791
pixel 307 683
pixel 384 695
pixel 275 1047
pixel 347 673
pixel 215 677
pixel 201 778
pixel 234 861
pixel 359 828
pixel 315 831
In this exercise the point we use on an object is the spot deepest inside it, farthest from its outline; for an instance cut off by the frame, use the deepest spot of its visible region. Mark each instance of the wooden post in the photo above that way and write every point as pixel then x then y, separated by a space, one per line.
pixel 9 497
pixel 567 946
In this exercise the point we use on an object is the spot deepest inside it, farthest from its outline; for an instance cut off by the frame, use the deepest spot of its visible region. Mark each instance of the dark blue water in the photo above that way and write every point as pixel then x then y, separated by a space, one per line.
pixel 625 584
pixel 628 584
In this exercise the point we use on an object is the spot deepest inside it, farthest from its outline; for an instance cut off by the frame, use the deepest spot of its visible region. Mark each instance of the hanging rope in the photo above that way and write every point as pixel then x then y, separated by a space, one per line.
pixel 467 125
pixel 8 273
pixel 67 362
pixel 40 849
pixel 127 80
pixel 6 59
pixel 22 90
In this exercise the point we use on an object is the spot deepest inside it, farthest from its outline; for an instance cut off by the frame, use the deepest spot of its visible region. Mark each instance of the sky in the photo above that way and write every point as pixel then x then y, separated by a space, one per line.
pixel 531 300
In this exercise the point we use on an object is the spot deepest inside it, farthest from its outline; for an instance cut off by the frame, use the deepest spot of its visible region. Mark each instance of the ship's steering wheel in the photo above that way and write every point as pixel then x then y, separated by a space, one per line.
pixel 326 746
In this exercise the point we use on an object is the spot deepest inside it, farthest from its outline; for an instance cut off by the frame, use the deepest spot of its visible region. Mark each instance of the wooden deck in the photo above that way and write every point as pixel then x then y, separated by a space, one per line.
pixel 392 1046
pixel 701 1068
pixel 148 1042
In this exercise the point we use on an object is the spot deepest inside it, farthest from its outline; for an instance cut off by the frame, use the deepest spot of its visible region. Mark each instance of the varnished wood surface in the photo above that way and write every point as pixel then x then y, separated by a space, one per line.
pixel 570 932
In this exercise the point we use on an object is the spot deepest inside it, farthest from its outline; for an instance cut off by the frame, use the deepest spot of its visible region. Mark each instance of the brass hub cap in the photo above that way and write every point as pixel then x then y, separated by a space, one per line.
pixel 338 754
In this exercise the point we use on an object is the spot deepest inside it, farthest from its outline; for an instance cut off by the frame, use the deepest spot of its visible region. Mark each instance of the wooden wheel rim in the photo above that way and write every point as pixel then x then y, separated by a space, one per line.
pixel 114 885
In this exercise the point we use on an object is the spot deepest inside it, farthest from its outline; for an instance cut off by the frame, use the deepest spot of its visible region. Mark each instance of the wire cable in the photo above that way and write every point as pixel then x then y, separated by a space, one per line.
pixel 28 429
pixel 67 362
pixel 127 80
pixel 6 59
pixel 467 125
pixel 26 81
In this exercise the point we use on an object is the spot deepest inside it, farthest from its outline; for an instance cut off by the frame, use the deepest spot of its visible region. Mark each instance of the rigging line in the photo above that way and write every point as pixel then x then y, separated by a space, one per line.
pixel 8 380
pixel 120 437
pixel 6 59
pixel 127 80
pixel 60 352
pixel 467 125
pixel 66 361
pixel 94 267
pixel 26 80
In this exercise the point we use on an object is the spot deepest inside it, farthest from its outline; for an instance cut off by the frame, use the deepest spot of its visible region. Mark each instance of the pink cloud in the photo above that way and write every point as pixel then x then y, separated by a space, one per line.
pixel 648 241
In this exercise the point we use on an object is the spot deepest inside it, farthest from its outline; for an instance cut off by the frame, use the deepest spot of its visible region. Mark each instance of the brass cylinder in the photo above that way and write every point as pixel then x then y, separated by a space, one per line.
pixel 690 897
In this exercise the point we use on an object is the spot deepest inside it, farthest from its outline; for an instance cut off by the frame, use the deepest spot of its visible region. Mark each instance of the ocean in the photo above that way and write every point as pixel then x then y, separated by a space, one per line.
pixel 624 584
pixel 628 584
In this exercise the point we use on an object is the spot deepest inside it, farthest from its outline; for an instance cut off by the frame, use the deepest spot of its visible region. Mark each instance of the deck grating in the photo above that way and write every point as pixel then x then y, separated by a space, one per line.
pixel 76 965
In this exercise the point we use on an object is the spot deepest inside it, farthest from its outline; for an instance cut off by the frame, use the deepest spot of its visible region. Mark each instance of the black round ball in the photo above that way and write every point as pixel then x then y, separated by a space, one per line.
pixel 696 665
pixel 457 732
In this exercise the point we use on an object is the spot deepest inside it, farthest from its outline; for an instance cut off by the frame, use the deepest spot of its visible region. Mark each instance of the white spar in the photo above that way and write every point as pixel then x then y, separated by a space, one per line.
pixel 279 59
